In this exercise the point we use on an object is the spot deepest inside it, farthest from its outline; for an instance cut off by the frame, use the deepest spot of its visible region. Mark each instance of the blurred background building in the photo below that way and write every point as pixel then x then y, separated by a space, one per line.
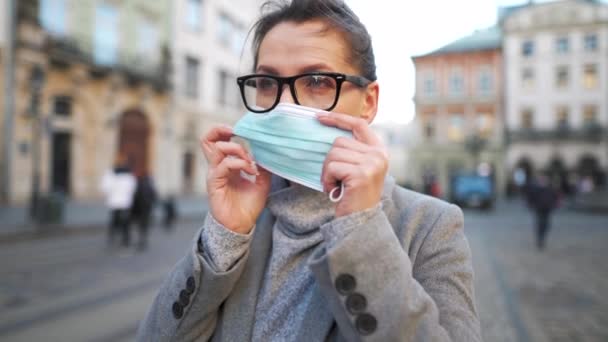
pixel 94 79
pixel 91 82
pixel 210 52
pixel 556 68
pixel 551 115
pixel 459 111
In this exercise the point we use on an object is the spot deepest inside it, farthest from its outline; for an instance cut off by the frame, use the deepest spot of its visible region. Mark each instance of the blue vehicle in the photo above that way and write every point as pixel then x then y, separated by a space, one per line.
pixel 473 190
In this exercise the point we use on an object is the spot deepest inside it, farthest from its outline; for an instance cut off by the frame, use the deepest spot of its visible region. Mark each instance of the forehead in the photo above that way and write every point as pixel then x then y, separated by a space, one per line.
pixel 290 48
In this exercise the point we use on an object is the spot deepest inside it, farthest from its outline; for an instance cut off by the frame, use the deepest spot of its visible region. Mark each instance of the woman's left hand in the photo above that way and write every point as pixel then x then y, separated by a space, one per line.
pixel 359 163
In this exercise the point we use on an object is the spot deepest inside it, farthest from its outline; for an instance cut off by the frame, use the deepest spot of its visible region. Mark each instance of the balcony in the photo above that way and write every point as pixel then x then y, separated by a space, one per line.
pixel 591 133
pixel 64 51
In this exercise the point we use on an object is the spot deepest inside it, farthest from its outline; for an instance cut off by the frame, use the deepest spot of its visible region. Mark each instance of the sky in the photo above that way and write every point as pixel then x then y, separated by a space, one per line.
pixel 401 29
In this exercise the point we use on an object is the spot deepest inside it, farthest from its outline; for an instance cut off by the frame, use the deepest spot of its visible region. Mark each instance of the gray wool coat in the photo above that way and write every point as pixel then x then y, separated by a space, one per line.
pixel 405 274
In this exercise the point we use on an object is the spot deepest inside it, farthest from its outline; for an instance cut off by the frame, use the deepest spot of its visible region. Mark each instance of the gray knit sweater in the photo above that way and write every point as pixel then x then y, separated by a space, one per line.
pixel 301 226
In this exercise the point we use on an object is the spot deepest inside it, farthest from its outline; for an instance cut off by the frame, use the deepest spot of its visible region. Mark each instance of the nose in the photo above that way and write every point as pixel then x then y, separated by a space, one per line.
pixel 286 95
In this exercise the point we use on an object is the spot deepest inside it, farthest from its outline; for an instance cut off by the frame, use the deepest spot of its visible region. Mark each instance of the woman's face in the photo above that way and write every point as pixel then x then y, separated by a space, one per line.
pixel 291 49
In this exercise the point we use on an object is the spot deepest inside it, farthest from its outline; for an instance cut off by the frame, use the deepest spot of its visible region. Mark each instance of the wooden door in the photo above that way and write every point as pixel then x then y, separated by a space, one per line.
pixel 133 140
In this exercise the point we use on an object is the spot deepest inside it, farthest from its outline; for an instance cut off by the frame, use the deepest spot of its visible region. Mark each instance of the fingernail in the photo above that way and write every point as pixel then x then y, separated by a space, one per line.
pixel 255 168
pixel 322 115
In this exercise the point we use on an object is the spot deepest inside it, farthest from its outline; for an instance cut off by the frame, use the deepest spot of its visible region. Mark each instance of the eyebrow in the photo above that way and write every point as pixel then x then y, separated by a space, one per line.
pixel 309 68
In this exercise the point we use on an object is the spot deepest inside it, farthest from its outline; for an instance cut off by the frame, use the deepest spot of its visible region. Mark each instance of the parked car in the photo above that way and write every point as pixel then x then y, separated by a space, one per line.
pixel 473 190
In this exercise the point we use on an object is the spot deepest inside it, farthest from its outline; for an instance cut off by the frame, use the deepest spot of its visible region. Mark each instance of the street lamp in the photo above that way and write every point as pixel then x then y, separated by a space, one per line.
pixel 35 83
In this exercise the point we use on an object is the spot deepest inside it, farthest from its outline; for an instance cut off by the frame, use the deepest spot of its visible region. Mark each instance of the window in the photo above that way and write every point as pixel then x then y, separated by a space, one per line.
pixel 527 78
pixel 223 88
pixel 590 76
pixel 456 83
pixel 484 124
pixel 456 128
pixel 590 116
pixel 485 80
pixel 429 84
pixel 224 30
pixel 527 48
pixel 238 40
pixel 52 16
pixel 194 14
pixel 106 34
pixel 562 77
pixel 562 117
pixel 527 119
pixel 591 42
pixel 192 77
pixel 231 34
pixel 62 105
pixel 561 45
pixel 147 40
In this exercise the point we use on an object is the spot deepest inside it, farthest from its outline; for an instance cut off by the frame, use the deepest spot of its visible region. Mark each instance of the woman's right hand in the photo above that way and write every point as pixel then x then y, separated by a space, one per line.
pixel 234 202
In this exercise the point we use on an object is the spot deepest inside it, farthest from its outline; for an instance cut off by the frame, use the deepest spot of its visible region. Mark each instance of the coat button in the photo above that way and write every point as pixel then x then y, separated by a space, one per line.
pixel 345 284
pixel 184 298
pixel 178 310
pixel 366 324
pixel 356 303
pixel 190 285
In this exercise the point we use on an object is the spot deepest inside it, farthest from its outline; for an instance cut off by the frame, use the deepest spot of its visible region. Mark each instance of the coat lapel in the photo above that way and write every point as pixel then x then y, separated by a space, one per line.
pixel 239 309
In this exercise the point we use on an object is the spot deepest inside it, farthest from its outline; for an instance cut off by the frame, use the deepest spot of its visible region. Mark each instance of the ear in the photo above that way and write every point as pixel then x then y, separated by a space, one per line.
pixel 370 102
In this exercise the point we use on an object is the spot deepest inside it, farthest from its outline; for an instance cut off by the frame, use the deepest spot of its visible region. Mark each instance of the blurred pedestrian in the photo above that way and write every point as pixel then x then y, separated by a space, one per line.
pixel 586 185
pixel 170 212
pixel 118 185
pixel 542 199
pixel 435 188
pixel 142 208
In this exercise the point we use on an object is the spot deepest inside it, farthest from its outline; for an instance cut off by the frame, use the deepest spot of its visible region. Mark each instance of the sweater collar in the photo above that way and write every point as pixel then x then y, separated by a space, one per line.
pixel 302 210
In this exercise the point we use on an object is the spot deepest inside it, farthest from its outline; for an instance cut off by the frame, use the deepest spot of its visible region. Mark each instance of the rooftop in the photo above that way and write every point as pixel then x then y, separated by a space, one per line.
pixel 485 39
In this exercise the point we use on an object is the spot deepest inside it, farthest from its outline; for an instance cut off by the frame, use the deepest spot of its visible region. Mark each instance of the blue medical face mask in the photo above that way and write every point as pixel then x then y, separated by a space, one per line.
pixel 290 142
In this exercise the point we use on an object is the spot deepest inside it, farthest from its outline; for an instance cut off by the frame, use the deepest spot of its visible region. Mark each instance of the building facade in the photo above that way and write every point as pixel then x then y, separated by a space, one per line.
pixel 211 50
pixel 91 82
pixel 459 109
pixel 556 65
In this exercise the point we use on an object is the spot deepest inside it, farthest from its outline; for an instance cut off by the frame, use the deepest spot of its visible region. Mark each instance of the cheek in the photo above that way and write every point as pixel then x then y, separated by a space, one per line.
pixel 350 103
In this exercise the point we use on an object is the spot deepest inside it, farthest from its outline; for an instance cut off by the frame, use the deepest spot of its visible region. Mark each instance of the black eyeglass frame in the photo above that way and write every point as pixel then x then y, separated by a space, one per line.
pixel 359 81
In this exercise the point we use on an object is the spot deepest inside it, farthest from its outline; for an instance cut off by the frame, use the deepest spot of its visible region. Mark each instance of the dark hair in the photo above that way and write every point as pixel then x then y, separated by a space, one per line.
pixel 334 12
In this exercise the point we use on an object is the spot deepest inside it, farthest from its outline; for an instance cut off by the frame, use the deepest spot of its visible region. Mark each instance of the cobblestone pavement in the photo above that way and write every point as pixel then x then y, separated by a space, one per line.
pixel 73 288
pixel 528 295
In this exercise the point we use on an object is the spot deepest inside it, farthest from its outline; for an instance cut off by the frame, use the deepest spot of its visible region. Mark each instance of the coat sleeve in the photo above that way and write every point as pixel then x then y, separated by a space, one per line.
pixel 375 292
pixel 187 305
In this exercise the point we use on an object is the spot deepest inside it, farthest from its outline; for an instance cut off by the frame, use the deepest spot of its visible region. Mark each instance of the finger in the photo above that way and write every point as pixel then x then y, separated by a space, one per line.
pixel 220 132
pixel 352 144
pixel 358 126
pixel 235 164
pixel 336 172
pixel 217 133
pixel 337 154
pixel 344 155
pixel 232 149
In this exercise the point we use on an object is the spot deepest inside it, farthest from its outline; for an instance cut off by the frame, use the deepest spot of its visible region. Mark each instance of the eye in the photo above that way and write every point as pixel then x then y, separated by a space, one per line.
pixel 265 83
pixel 319 82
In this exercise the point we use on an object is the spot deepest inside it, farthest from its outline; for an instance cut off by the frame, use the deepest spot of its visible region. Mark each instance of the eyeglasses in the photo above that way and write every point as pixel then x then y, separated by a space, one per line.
pixel 261 93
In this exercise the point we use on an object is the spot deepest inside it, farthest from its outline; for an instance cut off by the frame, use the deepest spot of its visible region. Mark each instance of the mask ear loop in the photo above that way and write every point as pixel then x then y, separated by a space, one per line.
pixel 332 193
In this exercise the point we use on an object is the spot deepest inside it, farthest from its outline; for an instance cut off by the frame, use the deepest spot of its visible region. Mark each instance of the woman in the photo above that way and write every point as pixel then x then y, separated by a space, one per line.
pixel 277 261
